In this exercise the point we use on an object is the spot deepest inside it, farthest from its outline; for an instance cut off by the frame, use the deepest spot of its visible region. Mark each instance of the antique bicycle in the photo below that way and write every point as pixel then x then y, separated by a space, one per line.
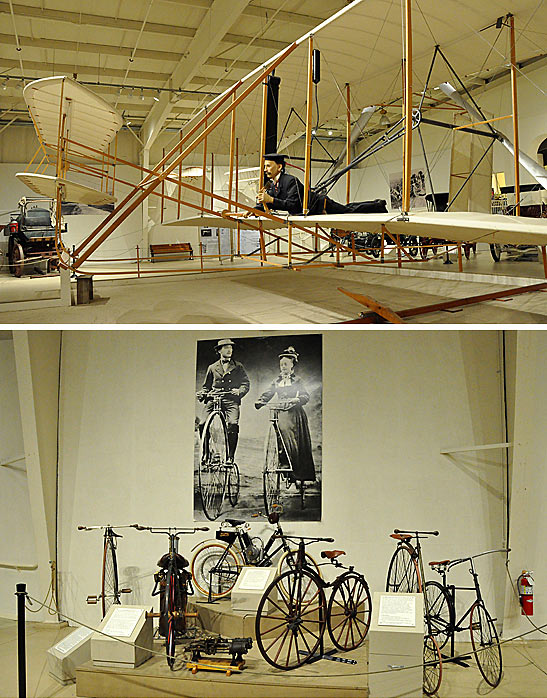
pixel 406 575
pixel 293 612
pixel 218 477
pixel 110 590
pixel 442 607
pixel 216 564
pixel 173 583
pixel 278 472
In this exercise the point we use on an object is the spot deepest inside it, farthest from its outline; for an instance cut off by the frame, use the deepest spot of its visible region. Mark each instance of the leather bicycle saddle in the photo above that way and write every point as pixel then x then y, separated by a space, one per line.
pixel 332 554
pixel 163 562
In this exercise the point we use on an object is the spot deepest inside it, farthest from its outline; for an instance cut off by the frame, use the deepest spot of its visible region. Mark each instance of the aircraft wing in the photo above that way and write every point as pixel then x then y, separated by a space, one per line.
pixel 449 225
pixel 209 221
pixel 89 119
pixel 46 185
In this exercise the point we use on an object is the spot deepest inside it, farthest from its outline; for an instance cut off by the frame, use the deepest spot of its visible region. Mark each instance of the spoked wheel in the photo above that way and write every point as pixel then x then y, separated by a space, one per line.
pixel 110 592
pixel 271 474
pixel 17 260
pixel 412 242
pixel 375 245
pixel 233 484
pixel 441 612
pixel 170 643
pixel 433 666
pixel 423 247
pixel 486 644
pixel 215 567
pixel 495 251
pixel 289 628
pixel 403 575
pixel 349 610
pixel 212 466
pixel 170 631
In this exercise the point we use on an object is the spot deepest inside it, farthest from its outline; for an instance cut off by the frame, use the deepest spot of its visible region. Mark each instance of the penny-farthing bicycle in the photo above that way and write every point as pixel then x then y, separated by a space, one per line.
pixel 278 467
pixel 218 476
pixel 293 612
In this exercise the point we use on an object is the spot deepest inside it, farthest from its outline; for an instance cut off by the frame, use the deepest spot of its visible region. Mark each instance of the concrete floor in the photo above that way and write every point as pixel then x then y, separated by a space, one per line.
pixel 281 296
pixel 525 668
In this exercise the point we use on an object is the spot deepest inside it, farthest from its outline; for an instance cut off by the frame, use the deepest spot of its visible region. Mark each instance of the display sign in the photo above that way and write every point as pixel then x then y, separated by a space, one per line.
pixel 397 610
pixel 253 578
pixel 122 622
pixel 72 640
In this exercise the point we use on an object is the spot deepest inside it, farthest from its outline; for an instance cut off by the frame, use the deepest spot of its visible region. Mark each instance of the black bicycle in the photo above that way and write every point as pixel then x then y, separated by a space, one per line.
pixel 173 583
pixel 476 619
pixel 110 590
pixel 218 476
pixel 406 575
pixel 293 612
pixel 216 564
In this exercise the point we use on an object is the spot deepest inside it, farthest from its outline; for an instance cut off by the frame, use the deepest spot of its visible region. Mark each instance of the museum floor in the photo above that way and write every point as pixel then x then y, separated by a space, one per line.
pixel 280 296
pixel 525 669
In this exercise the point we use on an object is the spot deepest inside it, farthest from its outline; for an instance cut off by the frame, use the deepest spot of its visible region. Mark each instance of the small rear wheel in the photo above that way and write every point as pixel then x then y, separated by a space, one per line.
pixel 233 484
pixel 17 264
pixel 433 666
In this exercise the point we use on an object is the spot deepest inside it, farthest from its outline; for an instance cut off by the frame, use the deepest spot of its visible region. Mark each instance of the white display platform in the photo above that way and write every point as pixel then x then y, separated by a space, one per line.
pixel 250 587
pixel 396 641
pixel 69 653
pixel 127 623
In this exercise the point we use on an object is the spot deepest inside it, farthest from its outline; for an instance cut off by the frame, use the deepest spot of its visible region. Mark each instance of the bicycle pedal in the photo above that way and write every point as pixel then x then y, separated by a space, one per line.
pixel 126 591
pixel 92 599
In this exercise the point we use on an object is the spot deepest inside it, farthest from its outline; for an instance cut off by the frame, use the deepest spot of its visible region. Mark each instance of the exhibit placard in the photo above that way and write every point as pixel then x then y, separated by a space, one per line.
pixel 397 611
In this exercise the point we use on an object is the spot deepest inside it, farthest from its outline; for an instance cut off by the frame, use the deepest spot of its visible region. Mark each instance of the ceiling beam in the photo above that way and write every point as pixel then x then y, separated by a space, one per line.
pixel 220 17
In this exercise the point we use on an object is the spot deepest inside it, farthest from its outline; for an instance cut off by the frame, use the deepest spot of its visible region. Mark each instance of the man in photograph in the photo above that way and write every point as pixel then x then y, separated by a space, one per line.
pixel 229 376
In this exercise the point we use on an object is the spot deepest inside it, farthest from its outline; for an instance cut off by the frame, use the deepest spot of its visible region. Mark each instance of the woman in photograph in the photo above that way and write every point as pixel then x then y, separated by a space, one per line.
pixel 292 421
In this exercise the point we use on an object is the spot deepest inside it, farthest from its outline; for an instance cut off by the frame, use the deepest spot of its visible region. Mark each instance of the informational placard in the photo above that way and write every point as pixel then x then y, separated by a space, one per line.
pixel 254 578
pixel 73 639
pixel 122 622
pixel 397 611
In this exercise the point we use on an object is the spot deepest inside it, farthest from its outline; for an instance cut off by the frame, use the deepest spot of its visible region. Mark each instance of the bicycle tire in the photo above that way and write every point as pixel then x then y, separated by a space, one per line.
pixel 423 247
pixel 233 484
pixel 441 612
pixel 271 476
pixel 170 633
pixel 403 574
pixel 412 243
pixel 433 666
pixel 282 623
pixel 287 562
pixel 207 557
pixel 349 611
pixel 110 592
pixel 495 251
pixel 486 644
pixel 212 465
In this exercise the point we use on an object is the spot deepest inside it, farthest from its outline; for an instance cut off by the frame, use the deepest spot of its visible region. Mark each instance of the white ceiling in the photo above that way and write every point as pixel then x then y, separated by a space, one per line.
pixel 204 46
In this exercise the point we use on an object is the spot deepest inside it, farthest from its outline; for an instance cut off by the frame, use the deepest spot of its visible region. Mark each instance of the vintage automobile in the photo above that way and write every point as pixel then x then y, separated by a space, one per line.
pixel 31 237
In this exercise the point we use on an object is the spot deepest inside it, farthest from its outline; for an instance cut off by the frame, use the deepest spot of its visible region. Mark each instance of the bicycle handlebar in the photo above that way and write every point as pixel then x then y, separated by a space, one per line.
pixel 310 539
pixel 94 528
pixel 453 563
pixel 169 530
pixel 417 533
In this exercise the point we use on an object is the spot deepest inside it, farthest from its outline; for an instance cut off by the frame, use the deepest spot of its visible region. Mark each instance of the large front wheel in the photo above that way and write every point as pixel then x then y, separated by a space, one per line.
pixel 215 569
pixel 272 472
pixel 349 611
pixel 289 628
pixel 212 466
pixel 486 644
pixel 110 592
pixel 403 575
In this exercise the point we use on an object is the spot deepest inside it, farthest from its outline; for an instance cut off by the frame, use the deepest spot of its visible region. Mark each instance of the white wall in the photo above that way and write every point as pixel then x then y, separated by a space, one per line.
pixel 391 400
pixel 17 540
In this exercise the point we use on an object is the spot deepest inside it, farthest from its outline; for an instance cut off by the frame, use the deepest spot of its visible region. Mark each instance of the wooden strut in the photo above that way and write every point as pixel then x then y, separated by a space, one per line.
pixel 141 194
pixel 348 142
pixel 407 157
pixel 445 305
pixel 309 116
pixel 515 115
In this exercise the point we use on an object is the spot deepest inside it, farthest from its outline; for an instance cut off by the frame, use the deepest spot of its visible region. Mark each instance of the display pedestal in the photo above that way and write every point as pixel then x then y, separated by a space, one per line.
pixel 219 618
pixel 250 587
pixel 396 646
pixel 129 624
pixel 70 652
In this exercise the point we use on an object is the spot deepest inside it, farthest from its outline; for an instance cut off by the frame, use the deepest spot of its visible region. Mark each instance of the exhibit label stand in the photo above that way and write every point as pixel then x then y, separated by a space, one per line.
pixel 69 653
pixel 130 624
pixel 250 587
pixel 396 641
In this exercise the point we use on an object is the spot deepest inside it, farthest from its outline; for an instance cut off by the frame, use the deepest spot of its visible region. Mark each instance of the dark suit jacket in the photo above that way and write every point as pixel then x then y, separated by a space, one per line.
pixel 288 195
pixel 235 377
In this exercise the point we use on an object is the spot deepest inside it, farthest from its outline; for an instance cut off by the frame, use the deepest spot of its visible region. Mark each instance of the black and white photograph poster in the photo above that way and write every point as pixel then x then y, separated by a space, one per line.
pixel 258 427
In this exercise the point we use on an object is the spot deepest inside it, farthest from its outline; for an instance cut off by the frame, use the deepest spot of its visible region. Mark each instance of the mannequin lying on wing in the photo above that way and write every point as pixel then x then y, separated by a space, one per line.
pixel 285 192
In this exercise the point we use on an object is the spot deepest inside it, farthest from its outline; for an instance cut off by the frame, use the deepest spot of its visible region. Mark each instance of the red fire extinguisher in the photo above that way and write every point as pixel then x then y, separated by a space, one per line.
pixel 525 584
